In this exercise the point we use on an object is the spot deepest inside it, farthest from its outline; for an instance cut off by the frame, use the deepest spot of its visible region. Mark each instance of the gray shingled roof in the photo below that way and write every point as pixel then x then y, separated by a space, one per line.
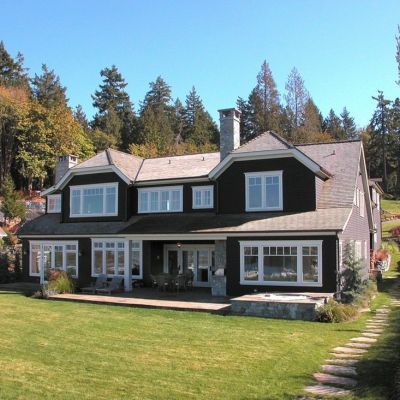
pixel 266 141
pixel 187 166
pixel 341 159
pixel 332 219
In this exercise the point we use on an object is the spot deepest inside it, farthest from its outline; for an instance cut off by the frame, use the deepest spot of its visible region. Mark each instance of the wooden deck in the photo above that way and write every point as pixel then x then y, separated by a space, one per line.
pixel 168 304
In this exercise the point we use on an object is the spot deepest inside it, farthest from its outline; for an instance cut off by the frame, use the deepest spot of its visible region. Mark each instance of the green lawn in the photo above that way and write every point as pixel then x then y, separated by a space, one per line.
pixel 391 206
pixel 61 350
pixel 386 226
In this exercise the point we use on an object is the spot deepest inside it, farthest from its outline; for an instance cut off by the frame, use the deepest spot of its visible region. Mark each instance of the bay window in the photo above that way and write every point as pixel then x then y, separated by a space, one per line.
pixel 53 255
pixel 285 263
pixel 164 199
pixel 109 257
pixel 94 200
pixel 264 191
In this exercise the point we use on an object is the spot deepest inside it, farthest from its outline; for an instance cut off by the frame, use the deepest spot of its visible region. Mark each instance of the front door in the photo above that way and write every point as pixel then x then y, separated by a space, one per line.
pixel 197 258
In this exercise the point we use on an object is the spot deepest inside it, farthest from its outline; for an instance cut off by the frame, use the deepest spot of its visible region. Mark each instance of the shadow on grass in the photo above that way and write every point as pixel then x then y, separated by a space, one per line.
pixel 377 370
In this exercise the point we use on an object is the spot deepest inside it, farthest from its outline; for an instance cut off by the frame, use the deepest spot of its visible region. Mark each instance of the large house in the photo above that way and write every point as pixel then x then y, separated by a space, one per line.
pixel 262 216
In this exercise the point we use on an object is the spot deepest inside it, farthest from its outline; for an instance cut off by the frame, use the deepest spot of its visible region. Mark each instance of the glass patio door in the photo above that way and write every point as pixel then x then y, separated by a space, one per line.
pixel 202 275
pixel 173 261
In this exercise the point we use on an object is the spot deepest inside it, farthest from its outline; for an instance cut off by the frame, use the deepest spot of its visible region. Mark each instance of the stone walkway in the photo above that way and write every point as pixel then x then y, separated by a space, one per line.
pixel 339 374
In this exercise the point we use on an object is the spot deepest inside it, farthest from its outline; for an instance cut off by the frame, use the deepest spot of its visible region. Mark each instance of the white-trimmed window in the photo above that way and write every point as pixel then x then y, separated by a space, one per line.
pixel 53 255
pixel 99 200
pixel 340 253
pixel 281 263
pixel 109 256
pixel 357 249
pixel 264 191
pixel 362 204
pixel 378 201
pixel 54 203
pixel 203 197
pixel 160 200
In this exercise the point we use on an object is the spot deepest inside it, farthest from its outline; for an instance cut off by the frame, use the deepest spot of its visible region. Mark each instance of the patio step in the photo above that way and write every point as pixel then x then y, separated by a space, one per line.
pixel 325 390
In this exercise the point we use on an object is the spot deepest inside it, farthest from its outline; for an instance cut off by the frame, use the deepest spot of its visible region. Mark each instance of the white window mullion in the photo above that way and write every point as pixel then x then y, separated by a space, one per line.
pixel 260 263
pixel 299 263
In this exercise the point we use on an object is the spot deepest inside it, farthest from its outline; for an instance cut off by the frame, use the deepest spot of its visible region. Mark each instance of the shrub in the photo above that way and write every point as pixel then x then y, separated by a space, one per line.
pixel 390 247
pixel 395 231
pixel 333 311
pixel 60 282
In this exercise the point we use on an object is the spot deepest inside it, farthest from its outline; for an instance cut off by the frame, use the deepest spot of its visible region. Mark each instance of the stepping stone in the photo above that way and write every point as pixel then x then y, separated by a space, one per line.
pixel 349 350
pixel 333 379
pixel 377 324
pixel 325 390
pixel 342 361
pixel 370 334
pixel 359 345
pixel 363 340
pixel 373 330
pixel 345 355
pixel 339 370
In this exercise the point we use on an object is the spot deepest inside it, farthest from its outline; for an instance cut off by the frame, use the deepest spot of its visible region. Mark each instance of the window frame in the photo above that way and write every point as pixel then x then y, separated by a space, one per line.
pixel 362 204
pixel 281 243
pixel 81 188
pixel 159 190
pixel 57 199
pixel 201 189
pixel 54 243
pixel 263 175
pixel 127 256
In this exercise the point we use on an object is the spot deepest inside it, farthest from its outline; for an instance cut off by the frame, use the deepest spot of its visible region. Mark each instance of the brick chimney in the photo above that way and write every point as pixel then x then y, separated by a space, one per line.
pixel 229 135
pixel 63 164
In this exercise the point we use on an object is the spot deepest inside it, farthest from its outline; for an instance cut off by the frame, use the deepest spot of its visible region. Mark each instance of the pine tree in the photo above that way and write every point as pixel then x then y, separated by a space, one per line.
pixel 47 89
pixel 265 101
pixel 199 128
pixel 348 125
pixel 12 206
pixel 398 54
pixel 394 142
pixel 12 72
pixel 379 128
pixel 80 117
pixel 296 98
pixel 311 130
pixel 115 115
pixel 333 126
pixel 159 95
pixel 179 122
pixel 247 127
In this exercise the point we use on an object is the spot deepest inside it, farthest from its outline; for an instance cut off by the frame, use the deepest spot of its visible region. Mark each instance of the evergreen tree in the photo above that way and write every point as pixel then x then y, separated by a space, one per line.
pixel 311 130
pixel 348 125
pixel 80 117
pixel 12 206
pixel 115 115
pixel 394 142
pixel 179 121
pixel 333 126
pixel 199 128
pixel 159 95
pixel 12 72
pixel 47 89
pixel 247 126
pixel 398 54
pixel 296 98
pixel 379 130
pixel 265 101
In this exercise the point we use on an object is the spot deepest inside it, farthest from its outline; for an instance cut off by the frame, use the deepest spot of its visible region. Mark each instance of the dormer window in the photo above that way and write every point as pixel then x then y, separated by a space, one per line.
pixel 100 200
pixel 160 199
pixel 203 197
pixel 264 191
pixel 54 203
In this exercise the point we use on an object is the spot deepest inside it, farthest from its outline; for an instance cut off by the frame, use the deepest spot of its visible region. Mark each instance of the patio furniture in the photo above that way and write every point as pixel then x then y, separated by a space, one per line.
pixel 153 280
pixel 101 282
pixel 113 286
pixel 189 275
pixel 179 282
pixel 163 281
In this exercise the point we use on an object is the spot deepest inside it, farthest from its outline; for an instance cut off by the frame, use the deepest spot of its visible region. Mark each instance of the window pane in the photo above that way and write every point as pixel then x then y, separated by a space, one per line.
pixel 110 263
pixel 272 192
pixel 251 264
pixel 35 259
pixel 207 197
pixel 93 201
pixel 197 194
pixel 280 268
pixel 176 200
pixel 98 261
pixel 164 201
pixel 71 264
pixel 121 263
pixel 255 196
pixel 76 202
pixel 135 263
pixel 144 198
pixel 310 265
pixel 111 196
pixel 154 201
pixel 58 257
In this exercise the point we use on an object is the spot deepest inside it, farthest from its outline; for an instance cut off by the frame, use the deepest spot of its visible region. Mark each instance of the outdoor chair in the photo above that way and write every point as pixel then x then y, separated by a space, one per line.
pixel 189 275
pixel 101 282
pixel 163 282
pixel 153 280
pixel 113 286
pixel 180 282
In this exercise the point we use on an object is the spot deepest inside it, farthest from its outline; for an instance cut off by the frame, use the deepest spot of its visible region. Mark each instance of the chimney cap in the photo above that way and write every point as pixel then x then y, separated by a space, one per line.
pixel 229 113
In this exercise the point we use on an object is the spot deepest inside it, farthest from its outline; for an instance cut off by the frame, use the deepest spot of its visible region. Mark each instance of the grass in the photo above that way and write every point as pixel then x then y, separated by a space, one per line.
pixel 61 350
pixel 387 226
pixel 391 206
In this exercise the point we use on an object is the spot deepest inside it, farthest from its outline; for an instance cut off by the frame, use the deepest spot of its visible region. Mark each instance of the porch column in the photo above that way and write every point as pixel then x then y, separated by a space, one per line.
pixel 218 279
pixel 127 268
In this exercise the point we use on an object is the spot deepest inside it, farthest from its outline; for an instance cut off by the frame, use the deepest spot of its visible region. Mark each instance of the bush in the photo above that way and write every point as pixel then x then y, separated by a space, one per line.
pixel 369 292
pixel 390 247
pixel 395 231
pixel 336 312
pixel 60 282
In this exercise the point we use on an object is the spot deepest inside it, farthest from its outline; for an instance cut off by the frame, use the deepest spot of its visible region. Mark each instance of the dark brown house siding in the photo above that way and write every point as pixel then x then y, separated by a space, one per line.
pixel 123 196
pixel 298 185
pixel 329 257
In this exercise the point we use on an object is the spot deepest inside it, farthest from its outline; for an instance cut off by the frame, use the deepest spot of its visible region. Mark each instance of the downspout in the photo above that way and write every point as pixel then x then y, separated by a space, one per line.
pixel 338 285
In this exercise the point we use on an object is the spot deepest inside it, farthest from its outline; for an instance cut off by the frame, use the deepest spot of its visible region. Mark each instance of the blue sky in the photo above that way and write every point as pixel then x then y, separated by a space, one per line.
pixel 345 50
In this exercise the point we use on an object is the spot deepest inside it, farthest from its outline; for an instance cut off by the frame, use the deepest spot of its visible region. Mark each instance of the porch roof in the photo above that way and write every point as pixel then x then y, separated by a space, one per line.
pixel 331 219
